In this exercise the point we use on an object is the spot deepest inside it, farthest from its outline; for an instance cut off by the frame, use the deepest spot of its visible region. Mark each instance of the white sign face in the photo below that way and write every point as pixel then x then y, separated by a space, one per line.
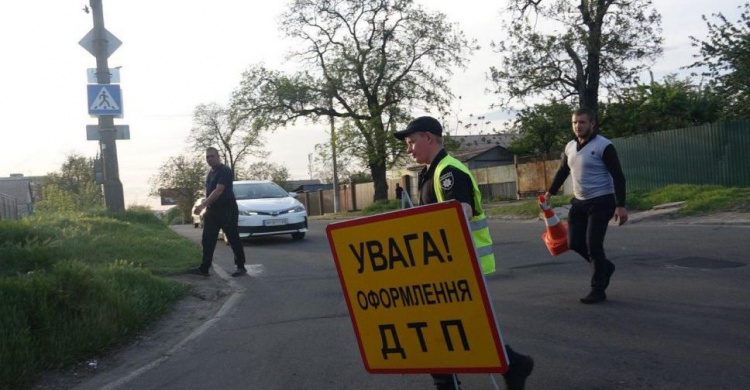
pixel 88 42
pixel 104 99
pixel 122 132
pixel 114 76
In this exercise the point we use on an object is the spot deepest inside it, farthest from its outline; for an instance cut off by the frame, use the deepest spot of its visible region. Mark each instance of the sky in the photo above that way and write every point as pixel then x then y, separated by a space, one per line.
pixel 177 54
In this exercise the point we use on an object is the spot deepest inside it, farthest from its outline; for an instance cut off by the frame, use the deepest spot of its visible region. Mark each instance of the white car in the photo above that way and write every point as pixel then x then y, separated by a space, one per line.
pixel 267 209
pixel 198 219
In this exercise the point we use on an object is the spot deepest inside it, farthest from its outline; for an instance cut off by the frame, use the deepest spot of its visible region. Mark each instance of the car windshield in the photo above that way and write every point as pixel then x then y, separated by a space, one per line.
pixel 258 191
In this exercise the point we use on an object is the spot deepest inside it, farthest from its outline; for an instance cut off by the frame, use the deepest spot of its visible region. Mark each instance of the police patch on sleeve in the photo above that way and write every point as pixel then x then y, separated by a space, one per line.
pixel 446 181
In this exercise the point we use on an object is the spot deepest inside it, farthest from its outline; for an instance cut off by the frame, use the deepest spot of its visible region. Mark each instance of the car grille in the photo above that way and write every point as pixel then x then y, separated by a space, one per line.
pixel 271 229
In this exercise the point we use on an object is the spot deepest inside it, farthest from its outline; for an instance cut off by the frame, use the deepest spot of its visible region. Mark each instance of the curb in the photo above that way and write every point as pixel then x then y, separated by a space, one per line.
pixel 238 292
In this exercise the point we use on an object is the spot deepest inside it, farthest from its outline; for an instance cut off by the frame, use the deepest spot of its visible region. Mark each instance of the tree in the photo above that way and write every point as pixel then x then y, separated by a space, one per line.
pixel 726 55
pixel 264 170
pixel 360 177
pixel 74 188
pixel 672 104
pixel 585 46
pixel 323 164
pixel 543 128
pixel 236 138
pixel 184 178
pixel 369 61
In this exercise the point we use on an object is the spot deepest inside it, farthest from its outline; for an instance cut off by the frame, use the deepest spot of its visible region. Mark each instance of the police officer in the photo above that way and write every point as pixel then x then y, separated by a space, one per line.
pixel 445 178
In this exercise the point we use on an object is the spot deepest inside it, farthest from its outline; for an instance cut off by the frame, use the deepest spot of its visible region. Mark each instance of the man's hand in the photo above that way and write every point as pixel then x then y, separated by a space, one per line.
pixel 621 216
pixel 547 195
pixel 198 209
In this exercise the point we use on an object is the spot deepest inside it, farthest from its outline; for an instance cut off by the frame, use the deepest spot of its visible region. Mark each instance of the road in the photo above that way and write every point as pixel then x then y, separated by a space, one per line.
pixel 678 316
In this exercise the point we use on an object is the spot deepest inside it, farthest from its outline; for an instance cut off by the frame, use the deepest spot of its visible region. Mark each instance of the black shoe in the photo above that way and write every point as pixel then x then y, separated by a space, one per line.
pixel 594 297
pixel 518 371
pixel 610 271
pixel 197 271
pixel 239 272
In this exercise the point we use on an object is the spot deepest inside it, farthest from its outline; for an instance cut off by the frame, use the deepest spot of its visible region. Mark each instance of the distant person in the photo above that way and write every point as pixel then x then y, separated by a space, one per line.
pixel 445 178
pixel 221 213
pixel 598 194
pixel 399 191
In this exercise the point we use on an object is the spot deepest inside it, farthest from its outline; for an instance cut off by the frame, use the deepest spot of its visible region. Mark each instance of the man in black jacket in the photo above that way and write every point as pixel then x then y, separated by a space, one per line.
pixel 221 213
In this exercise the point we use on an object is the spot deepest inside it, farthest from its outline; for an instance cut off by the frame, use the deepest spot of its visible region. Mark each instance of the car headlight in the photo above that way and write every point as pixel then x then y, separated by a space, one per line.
pixel 248 213
pixel 297 209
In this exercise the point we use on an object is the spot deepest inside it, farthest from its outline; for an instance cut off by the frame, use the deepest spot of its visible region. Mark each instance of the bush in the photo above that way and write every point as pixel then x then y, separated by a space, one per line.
pixel 382 206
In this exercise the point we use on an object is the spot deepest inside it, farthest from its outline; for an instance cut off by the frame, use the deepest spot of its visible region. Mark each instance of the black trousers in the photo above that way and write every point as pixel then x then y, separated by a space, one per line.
pixel 222 217
pixel 587 226
pixel 445 381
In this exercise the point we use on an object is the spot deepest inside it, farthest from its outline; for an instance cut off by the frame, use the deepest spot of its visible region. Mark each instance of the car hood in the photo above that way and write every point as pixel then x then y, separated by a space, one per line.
pixel 268 204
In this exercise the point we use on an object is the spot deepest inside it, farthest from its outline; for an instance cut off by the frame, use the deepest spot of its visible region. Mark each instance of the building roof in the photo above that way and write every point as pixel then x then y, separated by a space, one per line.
pixel 467 155
pixel 16 187
pixel 482 141
pixel 291 185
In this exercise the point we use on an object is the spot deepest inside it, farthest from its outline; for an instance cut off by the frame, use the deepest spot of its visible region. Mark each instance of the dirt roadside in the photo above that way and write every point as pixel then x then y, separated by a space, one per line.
pixel 208 295
pixel 156 342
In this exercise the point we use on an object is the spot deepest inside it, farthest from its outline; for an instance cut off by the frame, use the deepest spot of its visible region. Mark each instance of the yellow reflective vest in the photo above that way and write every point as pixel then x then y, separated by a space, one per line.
pixel 480 231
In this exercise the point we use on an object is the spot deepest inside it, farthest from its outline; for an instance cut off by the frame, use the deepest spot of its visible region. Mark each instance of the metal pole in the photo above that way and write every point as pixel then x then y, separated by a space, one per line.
pixel 113 195
pixel 335 168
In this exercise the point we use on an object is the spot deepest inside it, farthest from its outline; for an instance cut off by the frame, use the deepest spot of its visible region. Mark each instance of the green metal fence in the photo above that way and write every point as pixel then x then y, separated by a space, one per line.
pixel 717 153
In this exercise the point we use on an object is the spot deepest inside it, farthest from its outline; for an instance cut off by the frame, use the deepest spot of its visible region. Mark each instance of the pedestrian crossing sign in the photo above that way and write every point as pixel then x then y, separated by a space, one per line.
pixel 104 99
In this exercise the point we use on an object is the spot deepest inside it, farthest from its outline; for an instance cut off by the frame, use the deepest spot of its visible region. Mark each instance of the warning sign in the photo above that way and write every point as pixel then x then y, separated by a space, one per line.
pixel 415 292
pixel 104 99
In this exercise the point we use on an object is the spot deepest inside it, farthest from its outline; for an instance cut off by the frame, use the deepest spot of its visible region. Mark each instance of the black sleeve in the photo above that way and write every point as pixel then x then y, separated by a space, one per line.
pixel 612 162
pixel 456 185
pixel 560 176
pixel 225 176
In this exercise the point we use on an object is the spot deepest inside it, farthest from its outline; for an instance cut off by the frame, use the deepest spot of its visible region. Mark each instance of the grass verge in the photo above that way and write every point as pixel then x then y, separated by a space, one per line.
pixel 73 285
pixel 698 199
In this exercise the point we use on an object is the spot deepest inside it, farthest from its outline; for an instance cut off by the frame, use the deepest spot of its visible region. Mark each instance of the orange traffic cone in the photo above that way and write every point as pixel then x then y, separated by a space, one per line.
pixel 556 236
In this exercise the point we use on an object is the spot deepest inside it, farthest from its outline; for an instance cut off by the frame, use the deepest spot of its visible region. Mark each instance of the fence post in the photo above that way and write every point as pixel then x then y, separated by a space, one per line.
pixel 518 183
pixel 354 196
pixel 321 203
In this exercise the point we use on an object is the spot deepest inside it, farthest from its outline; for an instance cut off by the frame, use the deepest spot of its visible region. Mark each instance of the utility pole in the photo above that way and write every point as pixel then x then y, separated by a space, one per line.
pixel 335 168
pixel 113 194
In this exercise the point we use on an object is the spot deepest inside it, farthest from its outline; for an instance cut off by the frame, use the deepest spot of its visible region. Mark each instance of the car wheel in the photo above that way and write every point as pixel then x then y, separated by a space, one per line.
pixel 298 235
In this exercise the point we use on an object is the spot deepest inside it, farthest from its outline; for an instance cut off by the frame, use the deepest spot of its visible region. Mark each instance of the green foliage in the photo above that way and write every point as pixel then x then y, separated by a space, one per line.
pixel 181 178
pixel 74 284
pixel 173 216
pixel 346 160
pixel 74 188
pixel 542 128
pixel 592 44
pixel 382 206
pixel 726 55
pixel 672 104
pixel 526 208
pixel 236 137
pixel 698 198
pixel 265 170
pixel 392 56
pixel 360 177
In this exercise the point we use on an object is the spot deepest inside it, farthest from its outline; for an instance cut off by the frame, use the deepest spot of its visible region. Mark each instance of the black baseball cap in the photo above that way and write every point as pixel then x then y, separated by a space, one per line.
pixel 423 123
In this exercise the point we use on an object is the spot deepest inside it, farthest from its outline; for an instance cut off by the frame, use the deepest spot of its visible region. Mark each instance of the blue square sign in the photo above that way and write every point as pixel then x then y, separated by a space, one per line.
pixel 104 99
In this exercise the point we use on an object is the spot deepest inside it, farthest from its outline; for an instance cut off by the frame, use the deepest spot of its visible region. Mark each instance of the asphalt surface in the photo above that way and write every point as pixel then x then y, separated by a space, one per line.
pixel 678 316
